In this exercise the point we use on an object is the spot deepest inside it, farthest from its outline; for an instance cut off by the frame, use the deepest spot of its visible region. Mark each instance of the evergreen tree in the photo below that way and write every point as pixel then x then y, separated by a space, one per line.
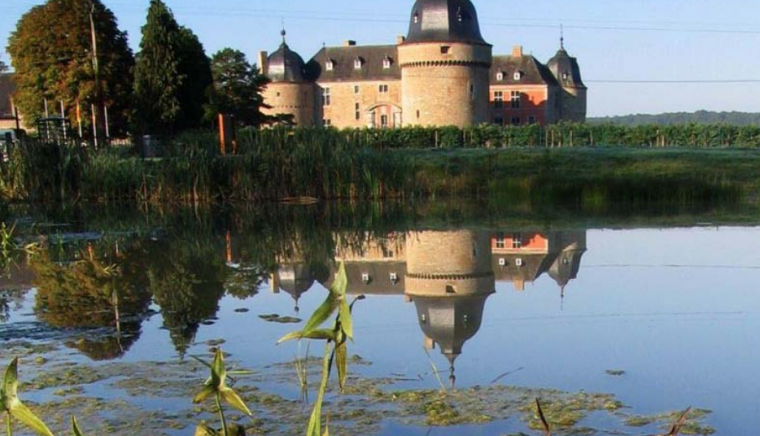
pixel 51 52
pixel 3 67
pixel 238 88
pixel 172 75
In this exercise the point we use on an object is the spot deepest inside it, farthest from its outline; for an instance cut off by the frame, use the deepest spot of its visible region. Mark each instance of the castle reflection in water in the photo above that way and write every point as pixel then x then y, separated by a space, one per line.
pixel 447 275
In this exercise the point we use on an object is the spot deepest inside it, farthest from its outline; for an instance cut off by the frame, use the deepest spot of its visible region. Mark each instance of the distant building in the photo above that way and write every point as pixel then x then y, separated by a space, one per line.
pixel 442 73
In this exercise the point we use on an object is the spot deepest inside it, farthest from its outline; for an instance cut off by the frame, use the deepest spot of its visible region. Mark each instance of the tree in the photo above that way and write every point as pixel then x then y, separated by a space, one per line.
pixel 238 88
pixel 51 52
pixel 172 76
pixel 3 67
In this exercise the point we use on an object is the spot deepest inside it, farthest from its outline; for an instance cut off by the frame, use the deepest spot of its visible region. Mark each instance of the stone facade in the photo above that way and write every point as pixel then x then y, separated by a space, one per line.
pixel 442 74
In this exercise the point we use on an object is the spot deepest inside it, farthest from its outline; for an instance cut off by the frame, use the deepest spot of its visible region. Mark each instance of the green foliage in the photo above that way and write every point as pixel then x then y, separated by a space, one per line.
pixel 216 387
pixel 51 54
pixel 238 88
pixel 336 350
pixel 12 405
pixel 683 118
pixel 172 76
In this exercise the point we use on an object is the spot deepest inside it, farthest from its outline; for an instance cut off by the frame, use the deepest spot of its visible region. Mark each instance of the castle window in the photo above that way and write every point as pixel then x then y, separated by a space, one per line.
pixel 327 122
pixel 383 89
pixel 499 121
pixel 386 63
pixel 418 115
pixel 518 75
pixel 329 65
pixel 445 49
pixel 500 76
pixel 472 91
pixel 416 17
pixel 498 98
pixel 326 97
pixel 515 121
pixel 517 241
pixel 384 121
pixel 565 76
pixel 356 89
pixel 531 120
pixel 358 111
pixel 358 64
pixel 516 99
pixel 500 241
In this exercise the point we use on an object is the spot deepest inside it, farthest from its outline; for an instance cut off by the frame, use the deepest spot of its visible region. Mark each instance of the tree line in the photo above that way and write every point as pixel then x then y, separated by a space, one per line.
pixel 678 118
pixel 170 85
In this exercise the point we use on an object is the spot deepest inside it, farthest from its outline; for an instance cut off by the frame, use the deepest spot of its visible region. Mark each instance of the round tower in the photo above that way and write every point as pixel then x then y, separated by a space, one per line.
pixel 444 66
pixel 289 92
pixel 449 278
pixel 573 98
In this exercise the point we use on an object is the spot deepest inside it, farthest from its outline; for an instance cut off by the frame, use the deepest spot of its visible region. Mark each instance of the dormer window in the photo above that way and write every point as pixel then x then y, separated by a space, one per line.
pixel 416 18
pixel 329 65
pixel 565 76
pixel 358 62
pixel 500 76
pixel 518 75
pixel 387 63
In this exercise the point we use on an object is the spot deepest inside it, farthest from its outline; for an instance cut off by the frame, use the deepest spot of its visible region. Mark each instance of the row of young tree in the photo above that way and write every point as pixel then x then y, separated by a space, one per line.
pixel 169 86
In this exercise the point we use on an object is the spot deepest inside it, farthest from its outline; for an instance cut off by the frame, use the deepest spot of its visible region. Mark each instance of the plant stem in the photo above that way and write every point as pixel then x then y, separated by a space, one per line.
pixel 225 432
pixel 8 424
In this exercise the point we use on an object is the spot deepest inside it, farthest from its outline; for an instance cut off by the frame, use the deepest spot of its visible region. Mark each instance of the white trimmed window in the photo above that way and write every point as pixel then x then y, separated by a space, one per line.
pixel 386 63
pixel 329 65
pixel 515 99
pixel 358 64
pixel 326 97
pixel 498 99
pixel 518 75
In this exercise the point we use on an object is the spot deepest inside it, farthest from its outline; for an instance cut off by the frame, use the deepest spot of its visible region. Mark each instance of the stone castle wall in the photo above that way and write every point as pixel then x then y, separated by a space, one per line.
pixel 445 84
pixel 295 99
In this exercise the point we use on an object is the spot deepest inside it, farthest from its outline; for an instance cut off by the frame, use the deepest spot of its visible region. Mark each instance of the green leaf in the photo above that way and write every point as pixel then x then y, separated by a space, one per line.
pixel 232 398
pixel 23 414
pixel 75 427
pixel 204 394
pixel 315 421
pixel 9 389
pixel 322 314
pixel 340 284
pixel 341 362
pixel 346 321
pixel 321 334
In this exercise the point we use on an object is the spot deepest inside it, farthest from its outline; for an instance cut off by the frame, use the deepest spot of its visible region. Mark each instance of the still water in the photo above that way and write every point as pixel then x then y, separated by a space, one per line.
pixel 662 313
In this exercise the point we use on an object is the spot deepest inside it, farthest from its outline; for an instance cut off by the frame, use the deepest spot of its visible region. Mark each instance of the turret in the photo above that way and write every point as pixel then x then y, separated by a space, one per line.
pixel 289 92
pixel 573 94
pixel 444 66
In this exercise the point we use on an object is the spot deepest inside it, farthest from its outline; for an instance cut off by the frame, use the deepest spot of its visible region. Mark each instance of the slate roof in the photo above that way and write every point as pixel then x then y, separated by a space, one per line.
pixel 533 71
pixel 444 21
pixel 7 88
pixel 566 69
pixel 380 277
pixel 343 58
pixel 533 266
pixel 285 65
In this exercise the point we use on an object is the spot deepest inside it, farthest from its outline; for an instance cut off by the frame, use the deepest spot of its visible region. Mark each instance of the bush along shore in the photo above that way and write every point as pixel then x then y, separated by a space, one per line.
pixel 282 164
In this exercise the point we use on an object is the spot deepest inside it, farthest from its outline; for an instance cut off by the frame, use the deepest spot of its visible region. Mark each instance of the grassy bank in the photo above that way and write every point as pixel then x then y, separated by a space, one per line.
pixel 327 164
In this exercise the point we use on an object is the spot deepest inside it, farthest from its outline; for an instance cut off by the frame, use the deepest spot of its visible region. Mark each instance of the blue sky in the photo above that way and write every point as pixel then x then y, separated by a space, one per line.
pixel 639 40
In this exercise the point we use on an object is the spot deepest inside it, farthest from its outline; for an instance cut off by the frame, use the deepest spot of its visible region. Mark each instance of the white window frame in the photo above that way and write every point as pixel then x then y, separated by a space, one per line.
pixel 329 65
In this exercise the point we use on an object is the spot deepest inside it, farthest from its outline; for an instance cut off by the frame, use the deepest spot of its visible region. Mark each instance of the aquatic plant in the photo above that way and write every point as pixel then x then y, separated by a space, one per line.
pixel 216 387
pixel 336 349
pixel 75 429
pixel 14 408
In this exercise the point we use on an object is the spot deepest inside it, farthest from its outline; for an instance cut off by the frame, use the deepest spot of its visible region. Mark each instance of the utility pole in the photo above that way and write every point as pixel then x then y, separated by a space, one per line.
pixel 96 70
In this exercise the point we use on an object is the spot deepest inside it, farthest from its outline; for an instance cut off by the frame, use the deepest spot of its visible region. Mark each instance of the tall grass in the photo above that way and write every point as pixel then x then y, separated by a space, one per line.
pixel 282 164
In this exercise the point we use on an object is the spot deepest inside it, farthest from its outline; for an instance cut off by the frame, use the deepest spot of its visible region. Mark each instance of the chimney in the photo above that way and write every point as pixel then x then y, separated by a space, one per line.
pixel 264 62
pixel 349 43
pixel 519 285
pixel 517 51
pixel 400 39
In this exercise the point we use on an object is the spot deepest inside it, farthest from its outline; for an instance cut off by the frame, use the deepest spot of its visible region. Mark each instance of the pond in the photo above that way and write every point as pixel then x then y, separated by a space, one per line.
pixel 617 322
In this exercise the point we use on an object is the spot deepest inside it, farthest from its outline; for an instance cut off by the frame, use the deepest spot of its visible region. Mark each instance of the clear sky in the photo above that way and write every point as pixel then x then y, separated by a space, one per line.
pixel 637 40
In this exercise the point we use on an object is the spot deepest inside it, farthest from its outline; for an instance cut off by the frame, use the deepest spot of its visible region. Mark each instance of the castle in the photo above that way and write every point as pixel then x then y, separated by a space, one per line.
pixel 443 73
